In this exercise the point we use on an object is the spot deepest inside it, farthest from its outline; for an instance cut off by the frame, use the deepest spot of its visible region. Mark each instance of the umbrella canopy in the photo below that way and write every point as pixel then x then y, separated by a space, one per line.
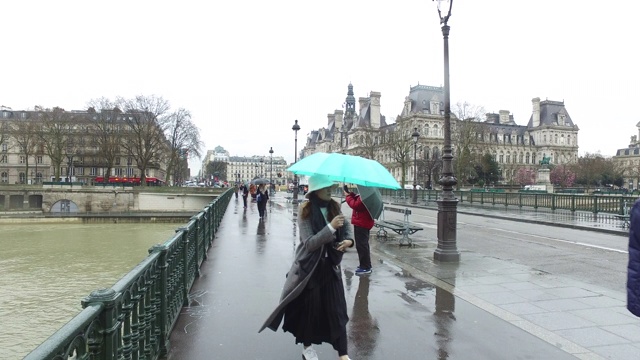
pixel 346 168
pixel 372 200
pixel 260 181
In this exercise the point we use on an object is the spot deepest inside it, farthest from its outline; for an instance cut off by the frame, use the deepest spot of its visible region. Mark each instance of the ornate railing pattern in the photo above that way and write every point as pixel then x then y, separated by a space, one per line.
pixel 133 319
pixel 611 204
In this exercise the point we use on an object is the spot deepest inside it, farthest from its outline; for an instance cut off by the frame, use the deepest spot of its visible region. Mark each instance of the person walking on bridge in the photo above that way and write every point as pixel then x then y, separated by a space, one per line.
pixel 362 224
pixel 312 302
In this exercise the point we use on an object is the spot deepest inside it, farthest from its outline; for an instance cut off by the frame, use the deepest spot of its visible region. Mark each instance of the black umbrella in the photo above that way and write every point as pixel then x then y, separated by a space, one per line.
pixel 372 200
pixel 260 181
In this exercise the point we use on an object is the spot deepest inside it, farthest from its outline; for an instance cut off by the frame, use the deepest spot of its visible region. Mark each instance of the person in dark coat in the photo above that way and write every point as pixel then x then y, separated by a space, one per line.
pixel 262 198
pixel 245 194
pixel 312 302
pixel 633 268
pixel 362 224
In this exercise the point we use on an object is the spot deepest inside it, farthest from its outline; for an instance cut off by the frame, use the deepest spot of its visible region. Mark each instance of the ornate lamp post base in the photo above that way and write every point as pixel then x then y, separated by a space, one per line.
pixel 447 250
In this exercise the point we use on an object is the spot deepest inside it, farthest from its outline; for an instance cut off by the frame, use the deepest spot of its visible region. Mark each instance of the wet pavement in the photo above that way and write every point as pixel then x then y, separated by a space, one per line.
pixel 410 307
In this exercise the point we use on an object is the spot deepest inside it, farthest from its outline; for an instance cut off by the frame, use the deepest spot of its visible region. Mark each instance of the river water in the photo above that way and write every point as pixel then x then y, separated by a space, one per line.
pixel 47 269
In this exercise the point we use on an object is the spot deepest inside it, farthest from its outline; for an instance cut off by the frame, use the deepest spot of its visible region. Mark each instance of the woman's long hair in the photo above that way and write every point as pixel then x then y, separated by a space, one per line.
pixel 333 208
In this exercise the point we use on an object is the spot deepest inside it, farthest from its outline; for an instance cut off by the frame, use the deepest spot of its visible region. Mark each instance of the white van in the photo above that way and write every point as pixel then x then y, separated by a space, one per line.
pixel 410 187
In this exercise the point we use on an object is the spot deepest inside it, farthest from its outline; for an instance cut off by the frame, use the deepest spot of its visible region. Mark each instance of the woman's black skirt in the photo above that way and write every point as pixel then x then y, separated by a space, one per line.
pixel 319 314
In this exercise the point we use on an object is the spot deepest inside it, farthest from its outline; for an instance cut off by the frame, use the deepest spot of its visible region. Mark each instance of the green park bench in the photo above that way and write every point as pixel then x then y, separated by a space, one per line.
pixel 401 227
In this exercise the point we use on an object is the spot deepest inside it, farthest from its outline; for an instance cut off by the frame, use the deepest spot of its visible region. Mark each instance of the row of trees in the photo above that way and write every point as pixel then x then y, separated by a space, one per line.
pixel 143 128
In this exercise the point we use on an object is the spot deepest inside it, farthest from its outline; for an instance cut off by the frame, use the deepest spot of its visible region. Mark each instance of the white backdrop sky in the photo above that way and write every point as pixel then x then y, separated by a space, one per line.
pixel 247 69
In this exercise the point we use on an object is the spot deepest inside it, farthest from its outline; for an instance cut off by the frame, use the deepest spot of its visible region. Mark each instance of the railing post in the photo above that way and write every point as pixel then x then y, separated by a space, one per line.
pixel 184 287
pixel 109 324
pixel 520 200
pixel 161 289
pixel 553 201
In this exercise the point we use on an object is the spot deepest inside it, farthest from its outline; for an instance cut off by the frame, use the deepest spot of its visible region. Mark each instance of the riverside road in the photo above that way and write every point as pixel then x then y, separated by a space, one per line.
pixel 524 289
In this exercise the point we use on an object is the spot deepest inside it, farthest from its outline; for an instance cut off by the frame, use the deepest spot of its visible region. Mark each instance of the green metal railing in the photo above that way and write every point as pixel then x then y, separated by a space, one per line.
pixel 611 204
pixel 133 319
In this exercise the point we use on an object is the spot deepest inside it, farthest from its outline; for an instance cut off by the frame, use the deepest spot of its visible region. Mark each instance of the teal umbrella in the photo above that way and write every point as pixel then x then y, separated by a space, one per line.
pixel 346 168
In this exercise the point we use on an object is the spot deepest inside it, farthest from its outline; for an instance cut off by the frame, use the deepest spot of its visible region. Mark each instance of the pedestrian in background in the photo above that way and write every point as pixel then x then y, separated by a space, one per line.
pixel 245 194
pixel 362 224
pixel 633 268
pixel 312 302
pixel 262 197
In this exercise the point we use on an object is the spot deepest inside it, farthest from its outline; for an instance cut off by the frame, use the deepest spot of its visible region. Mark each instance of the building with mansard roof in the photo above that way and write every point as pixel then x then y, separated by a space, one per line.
pixel 549 133
pixel 628 161
pixel 246 168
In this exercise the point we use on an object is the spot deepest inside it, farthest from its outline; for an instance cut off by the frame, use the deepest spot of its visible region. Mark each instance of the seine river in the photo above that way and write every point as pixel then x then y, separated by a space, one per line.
pixel 47 269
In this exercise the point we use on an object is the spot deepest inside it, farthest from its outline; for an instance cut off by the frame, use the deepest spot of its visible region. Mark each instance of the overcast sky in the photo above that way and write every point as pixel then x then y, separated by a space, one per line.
pixel 247 69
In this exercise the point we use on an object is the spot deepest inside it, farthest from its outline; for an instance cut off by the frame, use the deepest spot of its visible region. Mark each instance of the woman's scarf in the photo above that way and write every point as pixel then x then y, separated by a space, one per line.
pixel 318 221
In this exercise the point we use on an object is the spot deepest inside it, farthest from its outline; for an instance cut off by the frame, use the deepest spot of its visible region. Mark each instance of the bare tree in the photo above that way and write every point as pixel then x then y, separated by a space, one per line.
pixel 184 142
pixel 400 146
pixel 430 166
pixel 465 139
pixel 217 168
pixel 146 121
pixel 108 132
pixel 367 145
pixel 25 134
pixel 54 133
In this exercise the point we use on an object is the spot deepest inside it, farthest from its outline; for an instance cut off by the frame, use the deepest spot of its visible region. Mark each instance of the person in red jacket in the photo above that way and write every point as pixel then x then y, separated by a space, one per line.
pixel 362 224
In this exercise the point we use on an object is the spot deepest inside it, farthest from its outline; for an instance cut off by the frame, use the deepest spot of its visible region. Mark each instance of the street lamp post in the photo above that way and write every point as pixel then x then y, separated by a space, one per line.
pixel 446 250
pixel 270 169
pixel 414 193
pixel 295 129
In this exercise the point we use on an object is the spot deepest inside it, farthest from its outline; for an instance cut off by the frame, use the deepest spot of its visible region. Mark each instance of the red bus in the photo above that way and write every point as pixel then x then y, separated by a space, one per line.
pixel 151 181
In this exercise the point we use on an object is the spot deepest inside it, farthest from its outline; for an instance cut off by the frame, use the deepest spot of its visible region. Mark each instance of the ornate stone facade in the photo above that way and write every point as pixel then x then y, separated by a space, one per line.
pixel 550 132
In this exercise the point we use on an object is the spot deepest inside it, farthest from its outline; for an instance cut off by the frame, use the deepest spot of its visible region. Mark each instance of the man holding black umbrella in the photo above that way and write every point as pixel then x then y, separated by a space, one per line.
pixel 362 224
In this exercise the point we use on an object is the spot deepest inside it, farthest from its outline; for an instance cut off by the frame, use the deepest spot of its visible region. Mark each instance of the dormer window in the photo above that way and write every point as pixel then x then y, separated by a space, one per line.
pixel 435 107
pixel 561 119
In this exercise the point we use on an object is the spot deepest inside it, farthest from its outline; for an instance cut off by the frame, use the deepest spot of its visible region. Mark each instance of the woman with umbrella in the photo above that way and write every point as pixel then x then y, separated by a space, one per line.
pixel 312 302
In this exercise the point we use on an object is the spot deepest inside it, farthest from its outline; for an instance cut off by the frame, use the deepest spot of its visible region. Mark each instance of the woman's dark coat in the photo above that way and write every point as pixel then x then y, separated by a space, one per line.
pixel 306 259
pixel 633 269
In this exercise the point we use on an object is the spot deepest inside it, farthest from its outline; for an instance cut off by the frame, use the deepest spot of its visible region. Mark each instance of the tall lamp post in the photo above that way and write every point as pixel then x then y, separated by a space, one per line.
pixel 446 250
pixel 295 129
pixel 414 193
pixel 270 169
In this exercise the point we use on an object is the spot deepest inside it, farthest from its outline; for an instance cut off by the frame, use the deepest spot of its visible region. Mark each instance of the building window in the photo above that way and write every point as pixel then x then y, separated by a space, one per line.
pixel 39 159
pixel 22 177
pixel 4 147
pixel 501 159
pixel 79 171
pixel 118 171
pixel 93 171
pixel 118 160
pixel 129 161
pixel 130 171
pixel 4 177
pixel 21 159
pixel 39 178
